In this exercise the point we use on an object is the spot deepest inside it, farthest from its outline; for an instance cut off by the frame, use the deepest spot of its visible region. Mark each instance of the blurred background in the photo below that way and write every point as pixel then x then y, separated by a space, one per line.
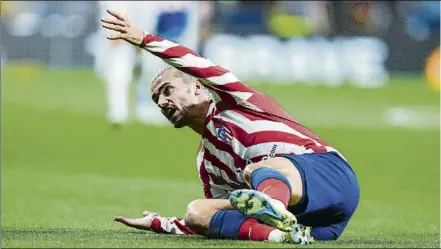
pixel 82 141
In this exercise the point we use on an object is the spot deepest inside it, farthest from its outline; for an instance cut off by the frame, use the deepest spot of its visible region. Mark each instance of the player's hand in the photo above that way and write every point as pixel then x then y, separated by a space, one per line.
pixel 125 30
pixel 143 223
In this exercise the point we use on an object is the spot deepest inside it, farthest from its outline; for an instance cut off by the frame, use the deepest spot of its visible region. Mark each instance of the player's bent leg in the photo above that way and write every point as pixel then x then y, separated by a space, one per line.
pixel 331 197
pixel 275 184
pixel 200 212
pixel 216 219
pixel 331 232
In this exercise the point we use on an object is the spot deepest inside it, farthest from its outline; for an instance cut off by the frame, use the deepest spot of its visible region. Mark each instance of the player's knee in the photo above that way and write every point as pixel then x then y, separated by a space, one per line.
pixel 276 163
pixel 194 217
pixel 249 169
pixel 192 212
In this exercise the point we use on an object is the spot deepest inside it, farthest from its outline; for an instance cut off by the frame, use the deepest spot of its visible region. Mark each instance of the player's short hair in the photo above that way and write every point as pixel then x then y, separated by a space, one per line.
pixel 186 78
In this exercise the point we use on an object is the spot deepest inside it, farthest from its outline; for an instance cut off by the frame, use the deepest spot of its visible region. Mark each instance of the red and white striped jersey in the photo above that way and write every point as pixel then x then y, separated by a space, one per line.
pixel 242 125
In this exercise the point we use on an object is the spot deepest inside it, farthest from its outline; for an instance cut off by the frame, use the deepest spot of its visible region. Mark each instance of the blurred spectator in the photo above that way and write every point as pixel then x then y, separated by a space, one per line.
pixel 298 18
pixel 206 14
pixel 422 19
pixel 369 17
pixel 432 69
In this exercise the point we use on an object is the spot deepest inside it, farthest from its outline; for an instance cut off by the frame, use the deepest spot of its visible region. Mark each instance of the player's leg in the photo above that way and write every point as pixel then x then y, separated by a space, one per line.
pixel 281 185
pixel 216 219
pixel 330 198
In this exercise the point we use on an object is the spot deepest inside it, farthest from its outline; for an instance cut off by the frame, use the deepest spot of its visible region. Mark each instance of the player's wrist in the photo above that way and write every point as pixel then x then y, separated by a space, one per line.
pixel 144 39
pixel 156 225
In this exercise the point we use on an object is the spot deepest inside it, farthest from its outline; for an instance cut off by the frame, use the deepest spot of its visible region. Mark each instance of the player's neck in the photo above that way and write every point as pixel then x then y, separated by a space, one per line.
pixel 198 120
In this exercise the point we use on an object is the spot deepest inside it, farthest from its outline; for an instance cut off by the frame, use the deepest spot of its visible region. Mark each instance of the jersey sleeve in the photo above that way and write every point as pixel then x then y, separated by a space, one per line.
pixel 170 225
pixel 216 78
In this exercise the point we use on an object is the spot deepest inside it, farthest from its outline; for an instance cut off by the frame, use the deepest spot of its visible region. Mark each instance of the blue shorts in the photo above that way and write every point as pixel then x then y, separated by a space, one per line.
pixel 330 193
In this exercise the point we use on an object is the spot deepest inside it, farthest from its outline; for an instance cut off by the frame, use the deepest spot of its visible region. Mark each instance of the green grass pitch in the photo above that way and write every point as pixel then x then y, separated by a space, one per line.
pixel 65 173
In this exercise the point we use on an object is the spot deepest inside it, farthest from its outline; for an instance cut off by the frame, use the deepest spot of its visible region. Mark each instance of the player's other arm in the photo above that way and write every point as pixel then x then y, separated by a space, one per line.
pixel 176 55
pixel 156 223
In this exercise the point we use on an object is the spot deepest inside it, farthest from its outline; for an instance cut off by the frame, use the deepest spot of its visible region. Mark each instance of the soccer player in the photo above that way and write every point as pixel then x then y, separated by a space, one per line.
pixel 265 176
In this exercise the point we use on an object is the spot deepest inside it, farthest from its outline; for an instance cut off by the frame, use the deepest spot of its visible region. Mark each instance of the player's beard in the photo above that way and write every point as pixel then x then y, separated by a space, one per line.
pixel 178 119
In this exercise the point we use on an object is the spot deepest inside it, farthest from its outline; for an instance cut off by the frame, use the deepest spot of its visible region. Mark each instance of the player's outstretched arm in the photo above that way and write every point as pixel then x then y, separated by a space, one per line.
pixel 154 222
pixel 174 54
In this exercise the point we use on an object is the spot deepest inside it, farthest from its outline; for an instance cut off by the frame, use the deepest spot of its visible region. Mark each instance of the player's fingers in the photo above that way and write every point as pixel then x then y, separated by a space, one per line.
pixel 116 14
pixel 135 223
pixel 114 36
pixel 124 220
pixel 113 21
pixel 147 213
pixel 113 27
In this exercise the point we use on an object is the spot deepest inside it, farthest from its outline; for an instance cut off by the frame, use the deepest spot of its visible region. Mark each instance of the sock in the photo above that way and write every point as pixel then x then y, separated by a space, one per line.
pixel 232 224
pixel 273 183
pixel 251 229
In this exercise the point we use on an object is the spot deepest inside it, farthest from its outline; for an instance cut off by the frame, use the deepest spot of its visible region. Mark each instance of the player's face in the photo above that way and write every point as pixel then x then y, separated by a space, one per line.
pixel 175 98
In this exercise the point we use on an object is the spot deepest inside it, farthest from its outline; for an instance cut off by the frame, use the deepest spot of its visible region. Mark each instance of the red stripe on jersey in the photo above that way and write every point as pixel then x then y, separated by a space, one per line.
pixel 238 161
pixel 150 38
pixel 217 163
pixel 203 174
pixel 319 149
pixel 258 158
pixel 227 101
pixel 156 226
pixel 219 180
pixel 255 138
pixel 206 72
pixel 269 105
pixel 234 87
pixel 252 115
pixel 175 52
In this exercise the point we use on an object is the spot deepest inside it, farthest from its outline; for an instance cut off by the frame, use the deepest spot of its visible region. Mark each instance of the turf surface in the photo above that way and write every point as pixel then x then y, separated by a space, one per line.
pixel 65 173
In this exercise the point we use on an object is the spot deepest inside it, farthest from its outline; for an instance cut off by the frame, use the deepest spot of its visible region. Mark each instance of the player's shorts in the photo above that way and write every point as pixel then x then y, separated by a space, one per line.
pixel 330 193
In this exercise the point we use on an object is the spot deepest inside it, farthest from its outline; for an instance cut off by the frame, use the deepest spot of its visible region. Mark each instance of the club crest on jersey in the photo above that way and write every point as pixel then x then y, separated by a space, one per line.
pixel 223 133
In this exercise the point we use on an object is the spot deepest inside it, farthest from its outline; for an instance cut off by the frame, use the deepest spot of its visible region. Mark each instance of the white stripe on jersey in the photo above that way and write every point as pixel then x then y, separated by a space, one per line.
pixel 330 149
pixel 191 60
pixel 244 96
pixel 260 149
pixel 218 172
pixel 282 148
pixel 200 158
pixel 259 125
pixel 161 46
pixel 223 156
pixel 223 79
pixel 219 191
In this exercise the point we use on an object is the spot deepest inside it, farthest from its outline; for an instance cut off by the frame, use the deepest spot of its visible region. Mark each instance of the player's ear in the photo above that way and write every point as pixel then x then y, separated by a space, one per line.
pixel 198 87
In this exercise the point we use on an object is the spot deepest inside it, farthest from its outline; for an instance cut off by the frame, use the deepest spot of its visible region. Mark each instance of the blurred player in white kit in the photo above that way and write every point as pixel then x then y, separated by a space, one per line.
pixel 175 20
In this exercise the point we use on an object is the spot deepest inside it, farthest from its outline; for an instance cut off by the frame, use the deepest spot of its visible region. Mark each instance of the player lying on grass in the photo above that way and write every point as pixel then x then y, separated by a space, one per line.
pixel 263 173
